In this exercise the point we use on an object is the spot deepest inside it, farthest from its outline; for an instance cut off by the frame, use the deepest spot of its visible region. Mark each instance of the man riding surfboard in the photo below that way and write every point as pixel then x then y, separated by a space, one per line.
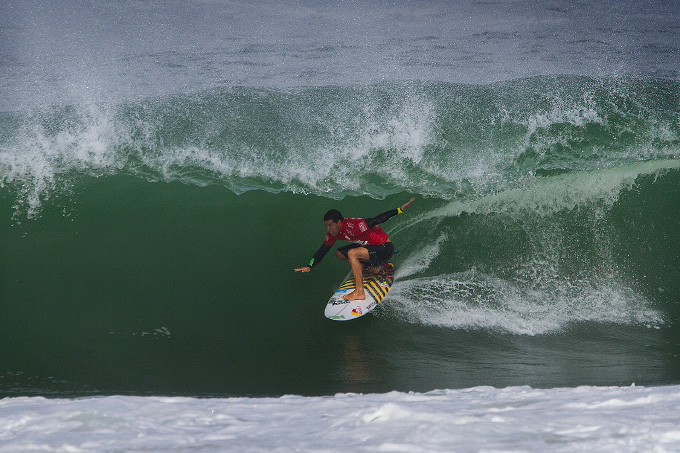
pixel 370 246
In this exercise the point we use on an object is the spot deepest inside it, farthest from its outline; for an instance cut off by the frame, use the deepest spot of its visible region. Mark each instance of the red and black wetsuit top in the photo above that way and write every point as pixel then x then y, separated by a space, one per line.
pixel 357 230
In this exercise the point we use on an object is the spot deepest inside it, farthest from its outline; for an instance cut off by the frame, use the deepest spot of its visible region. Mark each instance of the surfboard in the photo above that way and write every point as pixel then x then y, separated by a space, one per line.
pixel 376 287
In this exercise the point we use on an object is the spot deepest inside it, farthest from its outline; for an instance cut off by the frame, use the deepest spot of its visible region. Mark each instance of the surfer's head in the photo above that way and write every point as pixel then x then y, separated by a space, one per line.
pixel 333 221
pixel 333 215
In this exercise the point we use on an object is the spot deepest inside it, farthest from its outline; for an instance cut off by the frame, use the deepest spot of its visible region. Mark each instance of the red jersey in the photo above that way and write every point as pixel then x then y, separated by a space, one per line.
pixel 356 230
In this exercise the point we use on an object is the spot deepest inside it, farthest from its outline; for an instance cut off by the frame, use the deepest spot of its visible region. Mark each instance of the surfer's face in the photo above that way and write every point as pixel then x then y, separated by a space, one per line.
pixel 333 228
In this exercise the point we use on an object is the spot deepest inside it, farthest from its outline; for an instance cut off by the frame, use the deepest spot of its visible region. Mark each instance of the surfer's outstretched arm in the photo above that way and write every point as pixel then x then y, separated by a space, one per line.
pixel 318 256
pixel 407 204
pixel 380 218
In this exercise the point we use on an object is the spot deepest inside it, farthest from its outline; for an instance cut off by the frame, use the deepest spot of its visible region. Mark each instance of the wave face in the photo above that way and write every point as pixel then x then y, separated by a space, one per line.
pixel 545 206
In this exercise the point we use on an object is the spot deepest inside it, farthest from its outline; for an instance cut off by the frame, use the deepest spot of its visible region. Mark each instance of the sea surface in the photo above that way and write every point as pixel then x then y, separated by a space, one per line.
pixel 165 165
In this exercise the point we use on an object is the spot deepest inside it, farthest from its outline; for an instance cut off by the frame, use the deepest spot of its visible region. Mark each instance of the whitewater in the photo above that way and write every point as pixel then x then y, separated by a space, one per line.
pixel 484 419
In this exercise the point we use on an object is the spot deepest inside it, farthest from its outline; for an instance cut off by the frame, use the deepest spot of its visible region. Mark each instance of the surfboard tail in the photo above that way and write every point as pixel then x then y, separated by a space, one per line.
pixel 376 287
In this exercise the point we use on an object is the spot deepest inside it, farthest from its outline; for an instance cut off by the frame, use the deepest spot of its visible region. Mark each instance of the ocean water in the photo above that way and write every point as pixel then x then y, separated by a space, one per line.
pixel 164 166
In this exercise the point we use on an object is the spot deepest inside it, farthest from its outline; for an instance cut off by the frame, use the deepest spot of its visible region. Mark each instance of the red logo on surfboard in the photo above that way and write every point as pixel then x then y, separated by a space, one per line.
pixel 357 311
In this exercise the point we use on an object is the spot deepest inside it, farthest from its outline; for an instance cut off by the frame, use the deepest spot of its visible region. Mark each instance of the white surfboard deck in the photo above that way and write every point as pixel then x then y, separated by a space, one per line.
pixel 375 289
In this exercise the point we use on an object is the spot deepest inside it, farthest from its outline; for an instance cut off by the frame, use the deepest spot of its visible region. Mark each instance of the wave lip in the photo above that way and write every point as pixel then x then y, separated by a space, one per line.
pixel 439 140
pixel 546 196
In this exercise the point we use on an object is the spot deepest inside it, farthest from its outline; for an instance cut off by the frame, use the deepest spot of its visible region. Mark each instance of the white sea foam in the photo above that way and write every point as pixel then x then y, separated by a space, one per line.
pixel 472 300
pixel 375 139
pixel 327 152
pixel 533 295
pixel 37 157
pixel 582 113
pixel 622 419
pixel 421 259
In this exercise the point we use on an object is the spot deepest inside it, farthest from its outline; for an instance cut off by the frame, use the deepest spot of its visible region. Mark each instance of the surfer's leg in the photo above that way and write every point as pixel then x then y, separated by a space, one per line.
pixel 343 252
pixel 355 256
pixel 379 255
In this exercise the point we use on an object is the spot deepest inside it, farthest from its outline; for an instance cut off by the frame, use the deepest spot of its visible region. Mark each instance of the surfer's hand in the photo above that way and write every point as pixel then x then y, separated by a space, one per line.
pixel 303 269
pixel 406 205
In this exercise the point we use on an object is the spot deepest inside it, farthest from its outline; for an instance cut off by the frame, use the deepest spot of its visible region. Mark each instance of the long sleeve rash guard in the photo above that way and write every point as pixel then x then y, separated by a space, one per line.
pixel 357 230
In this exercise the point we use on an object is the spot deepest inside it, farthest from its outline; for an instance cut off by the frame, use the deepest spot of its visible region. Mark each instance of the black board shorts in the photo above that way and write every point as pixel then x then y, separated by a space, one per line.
pixel 378 254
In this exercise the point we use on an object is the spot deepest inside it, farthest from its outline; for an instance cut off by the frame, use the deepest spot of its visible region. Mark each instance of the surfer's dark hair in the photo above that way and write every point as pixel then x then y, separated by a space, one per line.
pixel 333 215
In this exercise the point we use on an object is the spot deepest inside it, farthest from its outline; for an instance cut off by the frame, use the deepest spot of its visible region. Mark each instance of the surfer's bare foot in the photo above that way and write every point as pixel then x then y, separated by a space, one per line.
pixel 355 295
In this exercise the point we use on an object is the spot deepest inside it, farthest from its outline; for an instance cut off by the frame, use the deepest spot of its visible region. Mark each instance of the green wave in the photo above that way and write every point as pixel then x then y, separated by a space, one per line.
pixel 542 202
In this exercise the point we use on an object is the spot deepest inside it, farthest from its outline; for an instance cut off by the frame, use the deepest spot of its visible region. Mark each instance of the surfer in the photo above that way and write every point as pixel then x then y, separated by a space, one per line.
pixel 371 247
